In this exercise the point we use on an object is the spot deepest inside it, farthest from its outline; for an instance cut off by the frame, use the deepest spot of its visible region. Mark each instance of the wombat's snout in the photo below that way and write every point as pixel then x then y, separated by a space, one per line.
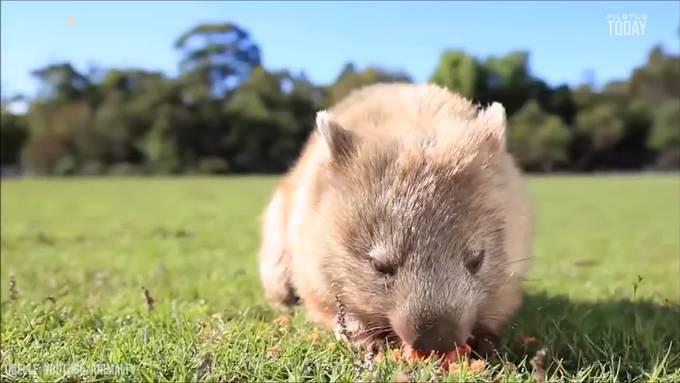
pixel 441 335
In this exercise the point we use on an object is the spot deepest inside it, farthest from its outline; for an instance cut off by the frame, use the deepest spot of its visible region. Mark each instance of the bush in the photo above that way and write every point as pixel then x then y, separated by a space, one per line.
pixel 665 135
pixel 125 169
pixel 13 135
pixel 213 165
pixel 537 140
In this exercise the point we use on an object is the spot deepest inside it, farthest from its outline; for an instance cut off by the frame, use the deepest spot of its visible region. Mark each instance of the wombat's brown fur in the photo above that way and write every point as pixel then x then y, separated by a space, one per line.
pixel 406 206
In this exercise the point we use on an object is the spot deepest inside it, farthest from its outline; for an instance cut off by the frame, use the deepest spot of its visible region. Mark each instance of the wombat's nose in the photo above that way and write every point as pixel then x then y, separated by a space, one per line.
pixel 437 337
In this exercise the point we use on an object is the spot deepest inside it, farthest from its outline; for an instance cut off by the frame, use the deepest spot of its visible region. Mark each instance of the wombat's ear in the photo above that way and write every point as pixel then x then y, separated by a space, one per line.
pixel 492 120
pixel 340 141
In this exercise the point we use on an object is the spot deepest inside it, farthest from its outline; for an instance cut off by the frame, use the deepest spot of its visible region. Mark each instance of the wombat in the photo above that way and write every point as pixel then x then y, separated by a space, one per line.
pixel 405 208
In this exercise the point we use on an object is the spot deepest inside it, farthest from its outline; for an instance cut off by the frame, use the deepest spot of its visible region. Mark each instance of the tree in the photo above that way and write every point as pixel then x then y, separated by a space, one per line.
pixel 47 153
pixel 598 130
pixel 665 136
pixel 63 129
pixel 350 79
pixel 160 145
pixel 220 55
pixel 458 72
pixel 658 80
pixel 584 97
pixel 271 115
pixel 509 71
pixel 13 134
pixel 558 101
pixel 506 79
pixel 130 100
pixel 536 139
pixel 61 81
pixel 226 113
pixel 632 151
pixel 63 111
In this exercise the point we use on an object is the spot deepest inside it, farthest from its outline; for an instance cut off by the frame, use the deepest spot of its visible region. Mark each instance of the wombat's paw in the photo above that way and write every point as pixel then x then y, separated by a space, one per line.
pixel 283 298
pixel 276 281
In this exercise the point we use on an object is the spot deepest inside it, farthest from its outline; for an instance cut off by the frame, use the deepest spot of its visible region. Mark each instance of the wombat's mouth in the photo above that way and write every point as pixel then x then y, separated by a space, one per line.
pixel 388 338
pixel 378 332
pixel 376 340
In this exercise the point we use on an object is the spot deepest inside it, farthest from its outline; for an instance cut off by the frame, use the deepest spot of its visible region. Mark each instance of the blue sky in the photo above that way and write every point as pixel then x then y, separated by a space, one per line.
pixel 565 40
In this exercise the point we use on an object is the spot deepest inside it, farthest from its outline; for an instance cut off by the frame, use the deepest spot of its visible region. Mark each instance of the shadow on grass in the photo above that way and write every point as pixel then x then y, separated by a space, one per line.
pixel 624 336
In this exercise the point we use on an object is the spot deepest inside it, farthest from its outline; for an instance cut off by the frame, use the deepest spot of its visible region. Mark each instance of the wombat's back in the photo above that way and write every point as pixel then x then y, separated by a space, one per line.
pixel 392 111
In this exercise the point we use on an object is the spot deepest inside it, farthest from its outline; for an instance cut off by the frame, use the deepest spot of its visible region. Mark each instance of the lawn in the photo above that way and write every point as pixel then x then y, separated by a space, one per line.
pixel 155 279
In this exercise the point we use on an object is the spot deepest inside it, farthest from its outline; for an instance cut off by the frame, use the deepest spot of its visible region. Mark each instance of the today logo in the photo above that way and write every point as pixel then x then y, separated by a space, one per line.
pixel 627 24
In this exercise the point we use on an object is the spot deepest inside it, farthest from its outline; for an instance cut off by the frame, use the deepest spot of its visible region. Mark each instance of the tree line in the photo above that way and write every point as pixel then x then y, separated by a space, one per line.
pixel 225 113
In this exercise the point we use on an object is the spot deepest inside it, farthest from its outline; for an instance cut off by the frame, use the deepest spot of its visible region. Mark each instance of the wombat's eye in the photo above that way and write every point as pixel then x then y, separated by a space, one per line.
pixel 382 267
pixel 475 262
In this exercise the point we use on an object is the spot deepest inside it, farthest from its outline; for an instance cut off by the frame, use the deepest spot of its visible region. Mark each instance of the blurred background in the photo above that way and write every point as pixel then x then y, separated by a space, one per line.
pixel 102 88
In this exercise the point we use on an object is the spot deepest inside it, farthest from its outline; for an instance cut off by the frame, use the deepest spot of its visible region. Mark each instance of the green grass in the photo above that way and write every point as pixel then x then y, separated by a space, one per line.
pixel 602 296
